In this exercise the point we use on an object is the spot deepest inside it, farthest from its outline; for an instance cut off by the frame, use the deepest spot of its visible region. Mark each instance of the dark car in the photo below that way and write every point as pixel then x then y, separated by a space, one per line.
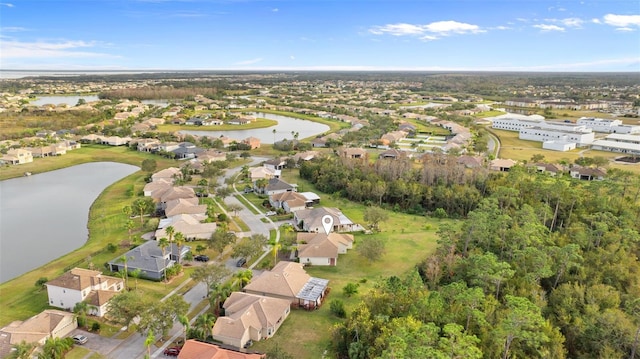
pixel 173 351
pixel 201 258
pixel 241 262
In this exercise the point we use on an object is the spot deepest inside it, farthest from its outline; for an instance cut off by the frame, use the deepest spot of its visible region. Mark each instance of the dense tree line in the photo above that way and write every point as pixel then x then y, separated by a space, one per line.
pixel 402 184
pixel 160 93
pixel 542 268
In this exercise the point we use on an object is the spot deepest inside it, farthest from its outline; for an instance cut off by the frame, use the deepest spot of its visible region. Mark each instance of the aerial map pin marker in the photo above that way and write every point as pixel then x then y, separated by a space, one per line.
pixel 327 223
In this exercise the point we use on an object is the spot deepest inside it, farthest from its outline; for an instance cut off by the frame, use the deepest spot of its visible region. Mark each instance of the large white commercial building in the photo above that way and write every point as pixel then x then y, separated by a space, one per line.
pixel 607 125
pixel 514 122
pixel 627 144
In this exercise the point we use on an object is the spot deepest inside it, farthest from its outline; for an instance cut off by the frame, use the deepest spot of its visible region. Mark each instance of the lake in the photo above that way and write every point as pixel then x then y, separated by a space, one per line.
pixel 44 216
pixel 304 128
pixel 72 100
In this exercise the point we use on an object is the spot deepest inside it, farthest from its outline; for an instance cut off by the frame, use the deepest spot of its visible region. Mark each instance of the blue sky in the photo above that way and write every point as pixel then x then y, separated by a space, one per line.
pixel 503 35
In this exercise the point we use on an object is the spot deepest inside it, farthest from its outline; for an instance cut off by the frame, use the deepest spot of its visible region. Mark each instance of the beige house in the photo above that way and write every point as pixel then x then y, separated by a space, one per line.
pixel 250 317
pixel 322 249
pixel 310 220
pixel 289 280
pixel 501 165
pixel 257 173
pixel 18 156
pixel 51 323
pixel 79 285
pixel 167 174
pixel 184 206
pixel 288 201
pixel 190 226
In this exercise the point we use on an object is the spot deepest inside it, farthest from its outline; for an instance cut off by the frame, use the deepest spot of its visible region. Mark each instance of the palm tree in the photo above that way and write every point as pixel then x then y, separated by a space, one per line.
pixel 275 248
pixel 184 320
pixel 55 348
pixel 179 242
pixel 170 231
pixel 147 343
pixel 203 324
pixel 129 225
pixel 243 277
pixel 136 273
pixel 124 259
pixel 219 294
pixel 164 243
pixel 22 350
pixel 80 309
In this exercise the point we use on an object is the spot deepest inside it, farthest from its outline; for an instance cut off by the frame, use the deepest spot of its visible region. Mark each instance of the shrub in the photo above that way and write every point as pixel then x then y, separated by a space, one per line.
pixel 337 308
pixel 40 282
pixel 350 289
pixel 95 327
pixel 222 217
pixel 112 247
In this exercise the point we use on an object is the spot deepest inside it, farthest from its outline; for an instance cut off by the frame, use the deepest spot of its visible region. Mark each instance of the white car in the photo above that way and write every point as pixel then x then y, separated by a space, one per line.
pixel 270 213
pixel 80 339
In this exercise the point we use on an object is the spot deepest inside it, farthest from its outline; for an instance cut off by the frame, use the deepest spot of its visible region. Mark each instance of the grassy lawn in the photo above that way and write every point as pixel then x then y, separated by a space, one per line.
pixel 244 201
pixel 77 352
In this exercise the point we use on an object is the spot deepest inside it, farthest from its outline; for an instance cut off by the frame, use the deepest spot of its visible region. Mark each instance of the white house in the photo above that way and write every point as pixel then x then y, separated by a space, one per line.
pixel 50 323
pixel 79 285
pixel 322 249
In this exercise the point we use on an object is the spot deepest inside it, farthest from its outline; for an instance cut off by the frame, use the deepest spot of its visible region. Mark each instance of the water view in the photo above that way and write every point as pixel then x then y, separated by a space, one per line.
pixel 285 126
pixel 44 216
pixel 72 100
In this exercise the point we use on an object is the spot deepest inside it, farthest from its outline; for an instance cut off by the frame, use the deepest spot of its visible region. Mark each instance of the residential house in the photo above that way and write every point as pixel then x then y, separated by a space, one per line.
pixel 289 201
pixel 147 144
pixel 319 142
pixel 50 323
pixel 167 174
pixel 187 150
pixel 184 206
pixel 212 156
pixel 305 156
pixel 194 349
pixel 86 285
pixel 155 188
pixel 190 226
pixel 276 185
pixel 501 165
pixel 354 153
pixel 257 173
pixel 322 249
pixel 252 142
pixel 275 163
pixel 18 156
pixel 549 168
pixel 148 257
pixel 289 280
pixel 587 173
pixel 392 153
pixel 470 161
pixel 312 198
pixel 310 220
pixel 250 317
pixel 173 193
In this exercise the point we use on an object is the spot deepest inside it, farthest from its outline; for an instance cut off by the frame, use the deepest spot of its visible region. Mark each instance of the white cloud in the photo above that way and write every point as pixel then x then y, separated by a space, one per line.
pixel 6 4
pixel 398 29
pixel 448 27
pixel 40 49
pixel 13 29
pixel 275 9
pixel 624 29
pixel 292 57
pixel 427 32
pixel 622 21
pixel 572 22
pixel 249 62
pixel 596 21
pixel 546 27
pixel 502 28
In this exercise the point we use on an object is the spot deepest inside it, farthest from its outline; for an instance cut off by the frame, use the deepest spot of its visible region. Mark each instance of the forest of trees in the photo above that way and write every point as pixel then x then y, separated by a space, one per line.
pixel 542 267
pixel 438 182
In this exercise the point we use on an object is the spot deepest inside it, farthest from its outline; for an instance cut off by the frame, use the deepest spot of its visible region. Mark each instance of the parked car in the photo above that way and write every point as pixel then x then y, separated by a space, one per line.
pixel 270 213
pixel 80 339
pixel 173 351
pixel 201 258
pixel 248 343
pixel 242 261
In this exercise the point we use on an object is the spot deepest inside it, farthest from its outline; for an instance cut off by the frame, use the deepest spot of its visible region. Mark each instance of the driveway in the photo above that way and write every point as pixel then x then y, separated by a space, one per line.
pixel 96 343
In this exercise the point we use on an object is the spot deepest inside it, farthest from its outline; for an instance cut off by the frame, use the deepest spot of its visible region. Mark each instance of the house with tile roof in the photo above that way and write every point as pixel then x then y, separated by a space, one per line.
pixel 322 249
pixel 79 285
pixel 250 317
pixel 310 220
pixel 50 323
pixel 289 201
pixel 184 206
pixel 289 280
pixel 276 185
pixel 190 226
pixel 194 349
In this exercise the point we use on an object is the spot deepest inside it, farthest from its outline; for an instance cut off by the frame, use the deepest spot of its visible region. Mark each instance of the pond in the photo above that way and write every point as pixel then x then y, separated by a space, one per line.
pixel 44 216
pixel 285 126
